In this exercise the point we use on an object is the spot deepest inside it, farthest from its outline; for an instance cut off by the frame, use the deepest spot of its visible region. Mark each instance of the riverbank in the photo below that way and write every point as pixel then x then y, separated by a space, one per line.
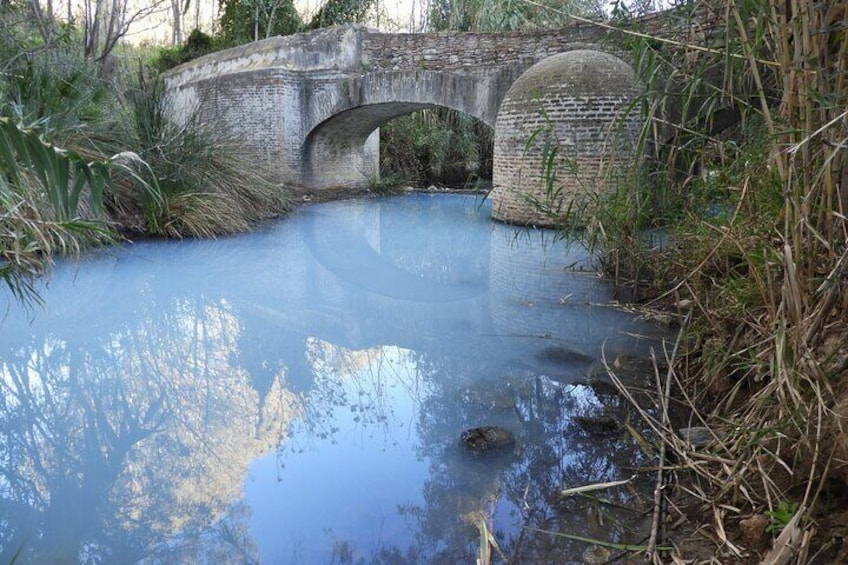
pixel 305 196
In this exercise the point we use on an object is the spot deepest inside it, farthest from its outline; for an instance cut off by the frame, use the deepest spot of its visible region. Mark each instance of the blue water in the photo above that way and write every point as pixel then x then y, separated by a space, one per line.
pixel 297 394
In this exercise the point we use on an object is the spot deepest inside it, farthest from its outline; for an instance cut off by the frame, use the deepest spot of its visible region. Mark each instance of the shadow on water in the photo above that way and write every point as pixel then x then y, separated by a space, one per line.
pixel 297 395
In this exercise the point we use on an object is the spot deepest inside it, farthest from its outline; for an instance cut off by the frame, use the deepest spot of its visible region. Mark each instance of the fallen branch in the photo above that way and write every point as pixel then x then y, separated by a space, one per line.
pixel 594 487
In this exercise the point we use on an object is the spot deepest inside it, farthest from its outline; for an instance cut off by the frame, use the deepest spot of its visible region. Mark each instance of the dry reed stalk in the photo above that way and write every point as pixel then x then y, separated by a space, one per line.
pixel 752 370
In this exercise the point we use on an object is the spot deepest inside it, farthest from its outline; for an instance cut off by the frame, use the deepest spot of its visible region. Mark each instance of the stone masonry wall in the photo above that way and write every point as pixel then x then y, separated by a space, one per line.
pixel 259 112
pixel 523 193
pixel 467 51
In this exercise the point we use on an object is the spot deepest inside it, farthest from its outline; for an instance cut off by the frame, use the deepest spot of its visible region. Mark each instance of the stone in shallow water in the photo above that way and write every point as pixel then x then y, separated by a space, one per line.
pixel 487 439
pixel 697 436
pixel 562 356
pixel 600 425
pixel 595 554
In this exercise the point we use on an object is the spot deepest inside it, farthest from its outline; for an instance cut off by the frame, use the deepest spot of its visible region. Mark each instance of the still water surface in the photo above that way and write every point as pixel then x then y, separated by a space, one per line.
pixel 297 394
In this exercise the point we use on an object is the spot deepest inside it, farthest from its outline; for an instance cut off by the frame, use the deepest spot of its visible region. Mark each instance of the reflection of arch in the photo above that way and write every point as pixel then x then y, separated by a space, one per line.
pixel 342 148
pixel 346 253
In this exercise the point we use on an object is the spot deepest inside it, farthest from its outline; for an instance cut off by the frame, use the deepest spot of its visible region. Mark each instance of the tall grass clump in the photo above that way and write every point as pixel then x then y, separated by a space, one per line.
pixel 746 130
pixel 179 180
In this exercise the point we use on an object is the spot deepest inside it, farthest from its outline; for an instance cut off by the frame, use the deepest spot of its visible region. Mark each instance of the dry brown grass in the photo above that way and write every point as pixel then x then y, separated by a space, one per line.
pixel 756 259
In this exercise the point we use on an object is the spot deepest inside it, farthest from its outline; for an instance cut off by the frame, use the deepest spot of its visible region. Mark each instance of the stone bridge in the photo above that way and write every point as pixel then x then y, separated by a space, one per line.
pixel 309 105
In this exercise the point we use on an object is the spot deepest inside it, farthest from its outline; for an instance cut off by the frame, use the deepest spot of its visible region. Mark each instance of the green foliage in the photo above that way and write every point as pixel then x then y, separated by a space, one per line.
pixel 78 154
pixel 243 21
pixel 57 89
pixel 62 174
pixel 40 204
pixel 339 12
pixel 180 180
pixel 197 45
pixel 435 146
pixel 780 516
pixel 51 197
pixel 507 15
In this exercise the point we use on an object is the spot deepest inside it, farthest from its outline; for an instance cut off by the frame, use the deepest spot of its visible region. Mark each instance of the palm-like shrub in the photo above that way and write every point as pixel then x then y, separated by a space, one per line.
pixel 44 193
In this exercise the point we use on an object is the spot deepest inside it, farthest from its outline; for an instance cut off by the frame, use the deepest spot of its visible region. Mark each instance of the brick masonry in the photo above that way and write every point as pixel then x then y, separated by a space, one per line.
pixel 562 136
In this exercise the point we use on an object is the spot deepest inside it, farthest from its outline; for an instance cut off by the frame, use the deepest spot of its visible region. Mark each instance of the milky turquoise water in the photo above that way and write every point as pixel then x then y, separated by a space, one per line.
pixel 296 395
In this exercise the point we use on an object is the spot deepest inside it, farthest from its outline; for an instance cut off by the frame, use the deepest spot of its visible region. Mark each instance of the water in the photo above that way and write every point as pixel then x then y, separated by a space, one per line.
pixel 296 395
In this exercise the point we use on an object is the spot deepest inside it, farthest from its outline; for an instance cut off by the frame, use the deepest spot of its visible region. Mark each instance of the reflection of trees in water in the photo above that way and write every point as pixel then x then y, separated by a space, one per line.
pixel 115 439
pixel 353 381
pixel 111 444
pixel 516 493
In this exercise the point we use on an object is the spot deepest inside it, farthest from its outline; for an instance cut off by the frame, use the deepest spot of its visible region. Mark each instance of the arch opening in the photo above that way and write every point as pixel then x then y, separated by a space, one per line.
pixel 438 146
pixel 345 149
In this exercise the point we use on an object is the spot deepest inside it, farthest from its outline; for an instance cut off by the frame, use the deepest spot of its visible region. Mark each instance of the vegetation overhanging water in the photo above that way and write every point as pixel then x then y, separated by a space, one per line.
pixel 297 394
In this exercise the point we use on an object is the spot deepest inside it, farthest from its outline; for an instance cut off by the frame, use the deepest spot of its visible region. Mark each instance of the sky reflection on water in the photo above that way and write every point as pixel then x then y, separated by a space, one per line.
pixel 296 395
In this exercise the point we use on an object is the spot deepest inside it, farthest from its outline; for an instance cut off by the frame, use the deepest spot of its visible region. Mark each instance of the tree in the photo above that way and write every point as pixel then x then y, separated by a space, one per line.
pixel 43 18
pixel 105 22
pixel 339 12
pixel 243 21
pixel 177 11
pixel 507 15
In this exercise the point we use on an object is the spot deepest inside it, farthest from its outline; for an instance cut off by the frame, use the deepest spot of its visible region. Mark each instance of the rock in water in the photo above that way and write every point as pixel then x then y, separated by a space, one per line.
pixel 601 425
pixel 562 356
pixel 487 439
pixel 697 436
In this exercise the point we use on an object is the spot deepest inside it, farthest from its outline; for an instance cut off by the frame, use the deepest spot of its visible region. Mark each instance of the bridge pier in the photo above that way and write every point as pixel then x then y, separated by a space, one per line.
pixel 563 136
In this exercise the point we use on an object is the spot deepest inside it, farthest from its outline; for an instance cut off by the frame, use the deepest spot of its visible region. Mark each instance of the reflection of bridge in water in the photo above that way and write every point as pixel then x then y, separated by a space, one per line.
pixel 364 287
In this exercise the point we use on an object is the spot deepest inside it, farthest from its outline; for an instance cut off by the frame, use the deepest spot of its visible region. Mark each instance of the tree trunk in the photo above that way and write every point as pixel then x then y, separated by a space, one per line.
pixel 177 31
pixel 43 19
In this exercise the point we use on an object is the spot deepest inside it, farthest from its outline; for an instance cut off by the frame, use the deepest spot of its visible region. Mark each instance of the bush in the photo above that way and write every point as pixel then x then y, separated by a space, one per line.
pixel 435 147
pixel 181 180
pixel 197 45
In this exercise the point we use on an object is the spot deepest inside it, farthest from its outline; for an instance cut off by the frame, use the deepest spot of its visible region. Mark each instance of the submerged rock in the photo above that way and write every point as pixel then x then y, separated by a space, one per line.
pixel 487 439
pixel 596 555
pixel 601 425
pixel 562 356
pixel 697 436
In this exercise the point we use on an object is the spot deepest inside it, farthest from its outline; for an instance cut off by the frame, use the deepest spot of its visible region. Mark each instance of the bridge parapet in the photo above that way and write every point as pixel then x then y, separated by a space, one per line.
pixel 330 49
pixel 356 48
pixel 448 51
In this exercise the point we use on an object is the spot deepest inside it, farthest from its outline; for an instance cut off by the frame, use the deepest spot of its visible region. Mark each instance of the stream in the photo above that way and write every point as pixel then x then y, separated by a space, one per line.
pixel 297 395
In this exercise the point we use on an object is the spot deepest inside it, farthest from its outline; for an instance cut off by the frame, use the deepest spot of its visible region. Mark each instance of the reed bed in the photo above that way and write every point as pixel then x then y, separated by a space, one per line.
pixel 746 129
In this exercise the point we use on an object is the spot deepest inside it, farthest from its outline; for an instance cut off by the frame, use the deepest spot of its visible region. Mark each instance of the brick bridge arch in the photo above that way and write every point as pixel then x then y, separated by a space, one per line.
pixel 309 105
